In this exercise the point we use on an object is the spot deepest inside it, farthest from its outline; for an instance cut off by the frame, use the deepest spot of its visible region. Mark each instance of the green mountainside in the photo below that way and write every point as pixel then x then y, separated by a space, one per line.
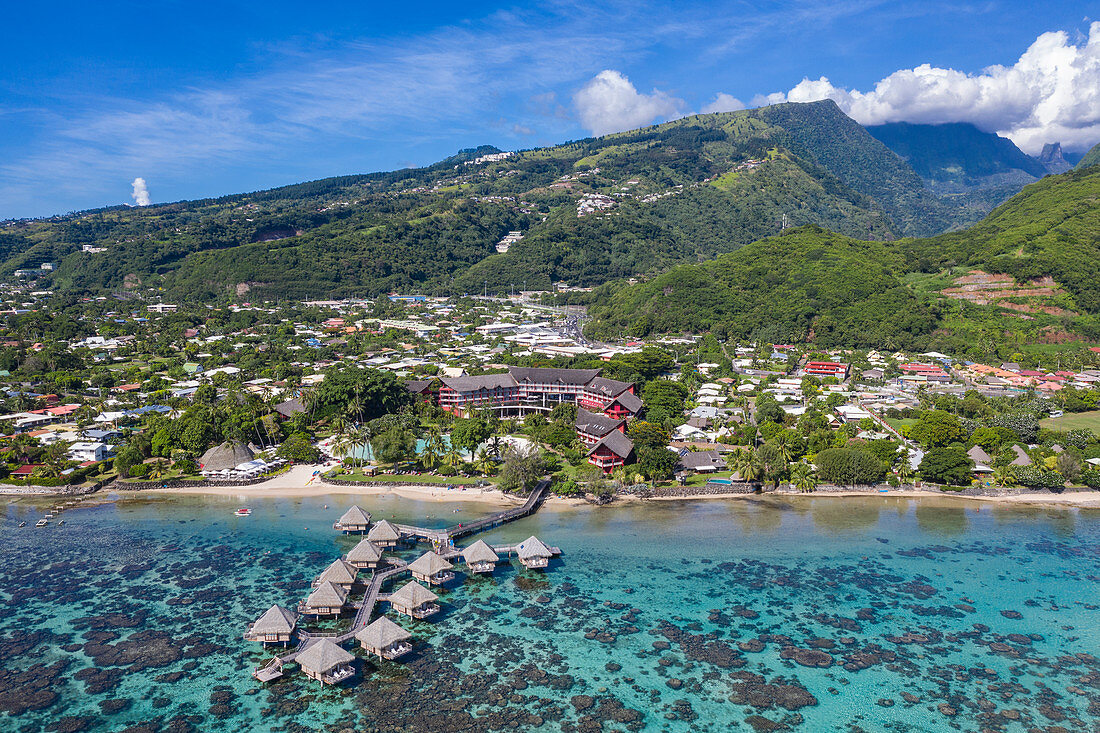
pixel 956 151
pixel 1092 157
pixel 1028 269
pixel 973 170
pixel 679 192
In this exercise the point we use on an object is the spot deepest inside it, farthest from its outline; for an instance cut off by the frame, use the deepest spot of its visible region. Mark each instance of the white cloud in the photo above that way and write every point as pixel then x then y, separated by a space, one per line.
pixel 610 103
pixel 141 193
pixel 723 103
pixel 1051 94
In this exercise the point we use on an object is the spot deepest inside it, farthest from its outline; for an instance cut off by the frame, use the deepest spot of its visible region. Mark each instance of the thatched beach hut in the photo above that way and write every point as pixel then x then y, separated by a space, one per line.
pixel 480 557
pixel 225 457
pixel 327 600
pixel 326 662
pixel 415 601
pixel 432 569
pixel 340 572
pixel 385 638
pixel 354 519
pixel 533 553
pixel 384 534
pixel 276 626
pixel 364 555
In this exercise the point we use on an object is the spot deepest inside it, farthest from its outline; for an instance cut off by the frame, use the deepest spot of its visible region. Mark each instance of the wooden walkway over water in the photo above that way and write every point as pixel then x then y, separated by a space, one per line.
pixel 446 535
pixel 442 538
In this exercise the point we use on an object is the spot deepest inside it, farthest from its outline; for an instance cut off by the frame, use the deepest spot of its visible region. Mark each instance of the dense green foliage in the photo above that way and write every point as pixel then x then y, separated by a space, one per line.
pixel 948 465
pixel 845 291
pixel 1091 158
pixel 849 466
pixel 809 283
pixel 682 189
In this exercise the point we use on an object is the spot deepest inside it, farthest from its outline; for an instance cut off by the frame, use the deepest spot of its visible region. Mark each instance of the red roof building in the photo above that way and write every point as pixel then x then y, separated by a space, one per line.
pixel 826 369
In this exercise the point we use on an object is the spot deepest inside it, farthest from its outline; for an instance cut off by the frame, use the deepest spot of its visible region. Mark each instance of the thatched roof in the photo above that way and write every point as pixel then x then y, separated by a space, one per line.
pixel 228 455
pixel 479 552
pixel 384 531
pixel 365 551
pixel 323 656
pixel 276 620
pixel 355 515
pixel 429 564
pixel 532 547
pixel 340 571
pixel 290 408
pixel 978 455
pixel 381 633
pixel 412 595
pixel 327 595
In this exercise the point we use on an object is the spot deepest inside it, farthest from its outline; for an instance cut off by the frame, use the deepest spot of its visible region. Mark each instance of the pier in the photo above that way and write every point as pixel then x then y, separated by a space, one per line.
pixel 443 541
pixel 447 535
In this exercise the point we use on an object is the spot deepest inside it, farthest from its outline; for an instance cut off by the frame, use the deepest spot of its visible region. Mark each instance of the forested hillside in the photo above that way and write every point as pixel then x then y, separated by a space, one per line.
pixel 1092 157
pixel 593 210
pixel 1027 270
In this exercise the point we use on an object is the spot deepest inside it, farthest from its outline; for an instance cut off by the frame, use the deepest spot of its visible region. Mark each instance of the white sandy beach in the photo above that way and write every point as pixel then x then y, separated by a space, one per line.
pixel 299 481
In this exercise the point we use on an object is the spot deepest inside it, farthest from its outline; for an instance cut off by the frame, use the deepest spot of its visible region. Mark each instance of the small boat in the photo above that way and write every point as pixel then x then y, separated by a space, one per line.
pixel 41 523
pixel 22 524
pixel 243 512
pixel 61 523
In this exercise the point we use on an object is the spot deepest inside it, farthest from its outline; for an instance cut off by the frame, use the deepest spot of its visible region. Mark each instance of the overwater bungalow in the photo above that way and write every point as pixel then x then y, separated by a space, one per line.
pixel 366 554
pixel 432 569
pixel 385 638
pixel 415 601
pixel 327 600
pixel 326 662
pixel 384 534
pixel 480 557
pixel 276 626
pixel 533 553
pixel 353 520
pixel 340 572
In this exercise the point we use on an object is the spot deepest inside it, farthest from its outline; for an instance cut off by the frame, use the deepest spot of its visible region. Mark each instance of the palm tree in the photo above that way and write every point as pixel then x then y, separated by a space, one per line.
pixel 344 445
pixel 803 478
pixel 484 464
pixel 433 447
pixel 361 434
pixel 453 459
pixel 495 442
pixel 1004 476
pixel 905 470
pixel 752 469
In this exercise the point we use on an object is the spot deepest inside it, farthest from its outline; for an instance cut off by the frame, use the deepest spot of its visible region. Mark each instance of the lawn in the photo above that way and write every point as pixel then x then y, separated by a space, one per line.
pixel 424 478
pixel 1074 421
pixel 700 479
pixel 899 423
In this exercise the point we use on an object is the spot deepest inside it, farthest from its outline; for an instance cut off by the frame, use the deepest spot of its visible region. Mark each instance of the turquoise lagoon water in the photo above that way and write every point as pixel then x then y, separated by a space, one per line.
pixel 810 614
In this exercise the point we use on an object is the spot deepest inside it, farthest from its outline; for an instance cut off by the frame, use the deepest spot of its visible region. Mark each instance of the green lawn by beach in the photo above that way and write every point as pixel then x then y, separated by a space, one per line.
pixel 424 478
pixel 1074 421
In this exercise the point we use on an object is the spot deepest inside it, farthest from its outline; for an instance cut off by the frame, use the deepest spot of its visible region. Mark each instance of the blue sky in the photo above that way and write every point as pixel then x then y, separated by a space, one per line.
pixel 203 99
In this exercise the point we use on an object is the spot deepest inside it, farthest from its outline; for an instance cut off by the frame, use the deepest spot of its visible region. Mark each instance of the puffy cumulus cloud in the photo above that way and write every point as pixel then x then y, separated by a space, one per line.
pixel 723 103
pixel 610 103
pixel 1051 94
pixel 141 193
